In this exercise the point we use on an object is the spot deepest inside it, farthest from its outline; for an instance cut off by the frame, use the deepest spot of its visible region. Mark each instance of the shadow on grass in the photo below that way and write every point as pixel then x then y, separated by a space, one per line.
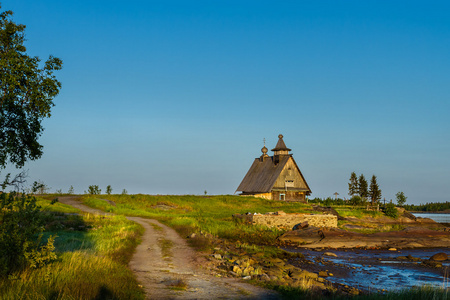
pixel 71 232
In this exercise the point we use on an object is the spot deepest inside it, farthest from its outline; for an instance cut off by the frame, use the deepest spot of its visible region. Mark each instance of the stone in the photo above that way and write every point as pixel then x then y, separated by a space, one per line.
pixel 432 263
pixel 217 256
pixel 247 277
pixel 300 226
pixel 192 236
pixel 412 258
pixel 263 277
pixel 323 274
pixel 330 254
pixel 439 256
pixel 402 258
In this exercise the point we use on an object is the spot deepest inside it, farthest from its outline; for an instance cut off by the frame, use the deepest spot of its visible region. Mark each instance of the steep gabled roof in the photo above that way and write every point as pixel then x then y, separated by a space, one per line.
pixel 262 175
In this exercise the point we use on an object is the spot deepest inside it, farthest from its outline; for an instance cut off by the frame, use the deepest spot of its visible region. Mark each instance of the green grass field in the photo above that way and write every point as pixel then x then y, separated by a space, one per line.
pixel 93 252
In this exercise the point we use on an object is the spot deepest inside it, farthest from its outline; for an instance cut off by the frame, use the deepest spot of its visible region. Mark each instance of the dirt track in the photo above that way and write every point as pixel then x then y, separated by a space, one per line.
pixel 161 275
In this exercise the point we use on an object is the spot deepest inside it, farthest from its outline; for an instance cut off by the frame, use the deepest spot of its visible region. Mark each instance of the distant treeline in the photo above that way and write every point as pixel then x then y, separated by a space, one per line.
pixel 437 206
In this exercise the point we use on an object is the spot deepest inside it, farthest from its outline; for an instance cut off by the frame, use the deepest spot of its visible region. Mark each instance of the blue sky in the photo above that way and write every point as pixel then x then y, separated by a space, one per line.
pixel 175 97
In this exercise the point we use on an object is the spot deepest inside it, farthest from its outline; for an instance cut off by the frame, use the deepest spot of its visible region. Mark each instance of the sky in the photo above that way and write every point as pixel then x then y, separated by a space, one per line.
pixel 176 97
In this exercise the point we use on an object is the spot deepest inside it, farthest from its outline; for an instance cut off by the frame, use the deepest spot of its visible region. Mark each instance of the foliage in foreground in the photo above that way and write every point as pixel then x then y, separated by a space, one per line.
pixel 21 220
pixel 92 256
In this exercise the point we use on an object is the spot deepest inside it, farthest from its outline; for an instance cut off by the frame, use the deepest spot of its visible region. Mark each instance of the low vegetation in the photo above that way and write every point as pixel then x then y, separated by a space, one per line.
pixel 91 257
pixel 207 215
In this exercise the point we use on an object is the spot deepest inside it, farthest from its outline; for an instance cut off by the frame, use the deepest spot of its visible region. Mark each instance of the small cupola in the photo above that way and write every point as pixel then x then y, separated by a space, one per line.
pixel 280 148
pixel 264 151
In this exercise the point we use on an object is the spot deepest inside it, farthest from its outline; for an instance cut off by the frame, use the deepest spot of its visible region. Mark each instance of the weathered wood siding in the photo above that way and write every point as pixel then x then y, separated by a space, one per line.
pixel 290 172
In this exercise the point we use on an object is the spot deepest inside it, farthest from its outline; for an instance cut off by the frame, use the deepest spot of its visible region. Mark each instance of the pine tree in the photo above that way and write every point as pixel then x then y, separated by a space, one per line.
pixel 374 191
pixel 353 185
pixel 363 187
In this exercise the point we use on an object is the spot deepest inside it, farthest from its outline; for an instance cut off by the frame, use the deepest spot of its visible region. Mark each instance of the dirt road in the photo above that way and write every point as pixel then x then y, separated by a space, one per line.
pixel 168 268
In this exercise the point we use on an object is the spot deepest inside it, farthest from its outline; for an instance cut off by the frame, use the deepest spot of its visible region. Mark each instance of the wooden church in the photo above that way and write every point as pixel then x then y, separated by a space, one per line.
pixel 275 177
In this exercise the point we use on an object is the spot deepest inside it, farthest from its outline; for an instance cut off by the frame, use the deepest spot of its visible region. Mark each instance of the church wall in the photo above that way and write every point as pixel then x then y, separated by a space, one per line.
pixel 290 173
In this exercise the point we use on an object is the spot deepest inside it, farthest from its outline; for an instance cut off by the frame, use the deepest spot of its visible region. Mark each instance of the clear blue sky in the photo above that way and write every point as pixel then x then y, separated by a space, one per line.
pixel 175 97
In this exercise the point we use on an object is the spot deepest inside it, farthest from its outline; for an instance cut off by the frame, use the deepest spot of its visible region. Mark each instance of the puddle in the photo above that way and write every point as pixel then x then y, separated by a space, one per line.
pixel 377 270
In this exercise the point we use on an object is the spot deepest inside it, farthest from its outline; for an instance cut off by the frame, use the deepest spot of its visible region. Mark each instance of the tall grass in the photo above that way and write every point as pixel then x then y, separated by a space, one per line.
pixel 93 252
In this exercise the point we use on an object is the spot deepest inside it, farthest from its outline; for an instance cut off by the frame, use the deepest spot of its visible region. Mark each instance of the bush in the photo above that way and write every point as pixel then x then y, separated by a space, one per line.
pixel 20 220
pixel 356 201
pixel 391 211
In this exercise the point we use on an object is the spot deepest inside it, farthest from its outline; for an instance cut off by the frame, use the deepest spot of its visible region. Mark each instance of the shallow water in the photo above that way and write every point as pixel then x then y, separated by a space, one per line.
pixel 378 269
pixel 440 218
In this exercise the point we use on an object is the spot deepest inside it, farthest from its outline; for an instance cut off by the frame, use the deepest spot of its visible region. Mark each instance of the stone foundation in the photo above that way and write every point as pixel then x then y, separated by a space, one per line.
pixel 282 220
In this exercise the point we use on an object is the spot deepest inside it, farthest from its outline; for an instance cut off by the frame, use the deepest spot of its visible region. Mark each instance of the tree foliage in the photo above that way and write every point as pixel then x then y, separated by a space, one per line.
pixel 109 190
pixel 26 95
pixel 430 206
pixel 363 187
pixel 401 198
pixel 374 191
pixel 26 98
pixel 353 185
pixel 20 221
pixel 94 190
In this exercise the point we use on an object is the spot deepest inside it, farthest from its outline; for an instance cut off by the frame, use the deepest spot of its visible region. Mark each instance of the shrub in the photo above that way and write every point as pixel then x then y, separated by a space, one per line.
pixel 356 201
pixel 391 211
pixel 20 220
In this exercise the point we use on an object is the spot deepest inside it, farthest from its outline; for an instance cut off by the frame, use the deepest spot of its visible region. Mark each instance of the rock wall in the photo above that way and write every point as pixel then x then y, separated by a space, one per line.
pixel 288 221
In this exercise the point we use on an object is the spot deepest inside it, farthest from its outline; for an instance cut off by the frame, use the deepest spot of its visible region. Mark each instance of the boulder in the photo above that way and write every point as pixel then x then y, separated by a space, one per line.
pixel 439 256
pixel 323 274
pixel 330 254
pixel 300 226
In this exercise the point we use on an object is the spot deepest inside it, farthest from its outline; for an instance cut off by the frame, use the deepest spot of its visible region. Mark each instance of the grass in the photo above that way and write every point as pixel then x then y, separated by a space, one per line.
pixel 210 215
pixel 93 252
pixel 210 218
pixel 166 248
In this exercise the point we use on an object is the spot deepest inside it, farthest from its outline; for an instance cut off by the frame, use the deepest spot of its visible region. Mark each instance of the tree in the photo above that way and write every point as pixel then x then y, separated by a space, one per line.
pixel 26 98
pixel 401 198
pixel 353 185
pixel 94 190
pixel 70 191
pixel 26 95
pixel 374 191
pixel 362 190
pixel 108 190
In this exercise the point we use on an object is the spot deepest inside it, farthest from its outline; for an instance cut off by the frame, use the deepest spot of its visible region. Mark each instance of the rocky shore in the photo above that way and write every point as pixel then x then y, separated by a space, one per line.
pixel 345 260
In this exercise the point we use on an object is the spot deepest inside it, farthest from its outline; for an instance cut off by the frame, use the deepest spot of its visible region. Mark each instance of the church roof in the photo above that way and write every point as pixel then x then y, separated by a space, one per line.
pixel 265 170
pixel 262 175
